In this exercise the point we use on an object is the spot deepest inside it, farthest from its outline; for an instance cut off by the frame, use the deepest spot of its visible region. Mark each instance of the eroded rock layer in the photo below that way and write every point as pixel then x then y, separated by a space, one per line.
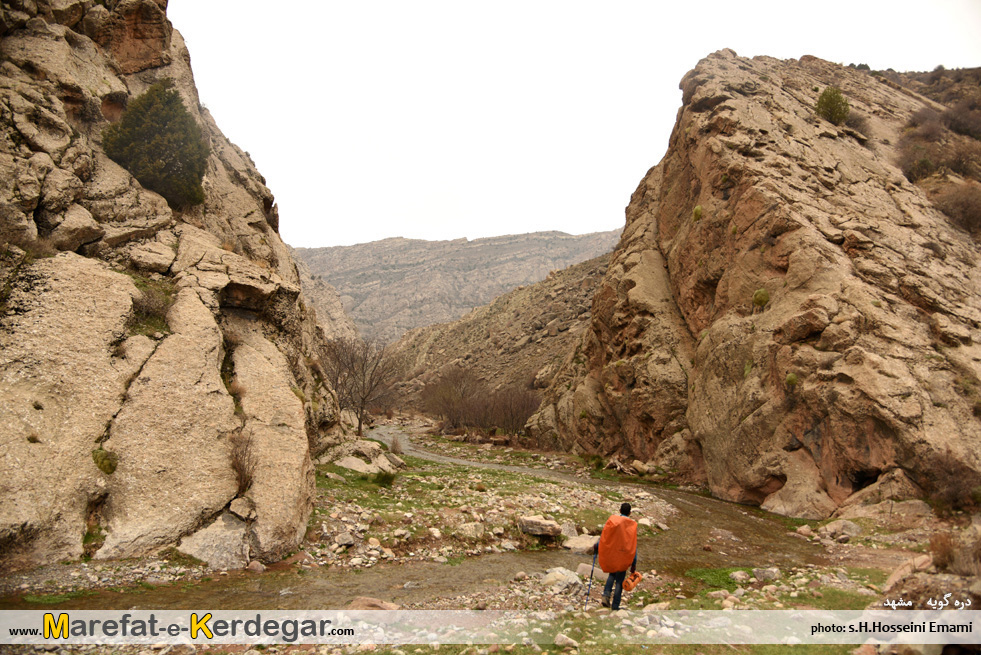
pixel 857 362
pixel 118 435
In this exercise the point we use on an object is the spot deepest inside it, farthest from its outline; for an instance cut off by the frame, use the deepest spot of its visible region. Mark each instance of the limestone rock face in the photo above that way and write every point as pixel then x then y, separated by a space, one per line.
pixel 331 315
pixel 518 340
pixel 391 286
pixel 863 359
pixel 211 406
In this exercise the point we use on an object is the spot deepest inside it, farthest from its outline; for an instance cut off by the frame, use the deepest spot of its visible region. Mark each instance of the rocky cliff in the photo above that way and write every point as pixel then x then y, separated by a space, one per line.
pixel 389 287
pixel 325 300
pixel 153 371
pixel 787 319
pixel 520 339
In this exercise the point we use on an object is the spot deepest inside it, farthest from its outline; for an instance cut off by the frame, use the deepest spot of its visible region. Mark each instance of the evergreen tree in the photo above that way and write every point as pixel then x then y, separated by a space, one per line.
pixel 832 106
pixel 159 143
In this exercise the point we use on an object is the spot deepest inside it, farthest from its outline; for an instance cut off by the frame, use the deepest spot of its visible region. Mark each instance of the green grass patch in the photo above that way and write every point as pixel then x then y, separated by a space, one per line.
pixel 716 578
pixel 54 599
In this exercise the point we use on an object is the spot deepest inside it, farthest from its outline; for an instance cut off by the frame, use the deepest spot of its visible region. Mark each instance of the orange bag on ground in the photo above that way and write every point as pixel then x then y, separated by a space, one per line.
pixel 618 544
pixel 632 580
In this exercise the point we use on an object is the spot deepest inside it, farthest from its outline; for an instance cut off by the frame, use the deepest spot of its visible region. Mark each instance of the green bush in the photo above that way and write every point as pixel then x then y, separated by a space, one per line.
pixel 105 460
pixel 832 106
pixel 761 297
pixel 159 143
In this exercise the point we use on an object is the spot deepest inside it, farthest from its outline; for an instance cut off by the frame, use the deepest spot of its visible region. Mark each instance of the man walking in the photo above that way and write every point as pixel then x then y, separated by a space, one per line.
pixel 617 551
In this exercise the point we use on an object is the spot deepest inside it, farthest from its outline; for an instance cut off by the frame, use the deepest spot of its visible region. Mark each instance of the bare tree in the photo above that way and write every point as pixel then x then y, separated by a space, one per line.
pixel 362 373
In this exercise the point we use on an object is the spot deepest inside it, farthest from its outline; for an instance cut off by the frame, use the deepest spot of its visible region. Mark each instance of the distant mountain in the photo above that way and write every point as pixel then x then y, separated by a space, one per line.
pixel 391 286
pixel 520 339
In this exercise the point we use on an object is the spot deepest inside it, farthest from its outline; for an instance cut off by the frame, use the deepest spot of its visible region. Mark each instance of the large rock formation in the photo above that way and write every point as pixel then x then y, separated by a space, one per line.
pixel 519 340
pixel 326 301
pixel 391 286
pixel 786 319
pixel 116 429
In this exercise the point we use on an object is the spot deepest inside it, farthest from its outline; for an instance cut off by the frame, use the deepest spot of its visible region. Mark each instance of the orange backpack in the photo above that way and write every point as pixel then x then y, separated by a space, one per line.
pixel 618 544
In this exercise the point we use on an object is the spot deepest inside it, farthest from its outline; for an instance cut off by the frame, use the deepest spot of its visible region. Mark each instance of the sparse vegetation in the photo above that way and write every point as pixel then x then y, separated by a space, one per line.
pixel 832 106
pixel 760 298
pixel 362 373
pixel 244 460
pixel 158 142
pixel 696 213
pixel 150 307
pixel 962 204
pixel 384 478
pixel 462 400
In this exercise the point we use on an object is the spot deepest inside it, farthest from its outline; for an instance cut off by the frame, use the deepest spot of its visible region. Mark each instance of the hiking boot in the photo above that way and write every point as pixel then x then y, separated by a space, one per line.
pixel 605 602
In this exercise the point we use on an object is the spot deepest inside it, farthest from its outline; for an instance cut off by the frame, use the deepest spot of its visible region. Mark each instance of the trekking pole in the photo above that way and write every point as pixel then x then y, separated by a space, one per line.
pixel 590 587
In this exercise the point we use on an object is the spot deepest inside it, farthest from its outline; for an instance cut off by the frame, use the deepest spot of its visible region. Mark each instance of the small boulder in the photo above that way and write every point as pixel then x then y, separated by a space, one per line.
pixel 561 580
pixel 471 530
pixel 355 464
pixel 539 525
pixel 841 527
pixel 581 544
pixel 344 539
pixel 242 508
pixel 739 576
pixel 586 570
pixel 772 573
pixel 562 641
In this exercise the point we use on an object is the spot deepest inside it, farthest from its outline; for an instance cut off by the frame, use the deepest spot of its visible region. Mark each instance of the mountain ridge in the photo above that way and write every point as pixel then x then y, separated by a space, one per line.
pixel 394 285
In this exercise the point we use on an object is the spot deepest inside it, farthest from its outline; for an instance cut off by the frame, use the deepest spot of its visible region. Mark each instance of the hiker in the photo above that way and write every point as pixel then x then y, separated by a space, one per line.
pixel 617 551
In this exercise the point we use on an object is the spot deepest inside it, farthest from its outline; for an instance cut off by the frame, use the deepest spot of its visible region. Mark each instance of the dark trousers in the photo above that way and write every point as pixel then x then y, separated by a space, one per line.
pixel 614 585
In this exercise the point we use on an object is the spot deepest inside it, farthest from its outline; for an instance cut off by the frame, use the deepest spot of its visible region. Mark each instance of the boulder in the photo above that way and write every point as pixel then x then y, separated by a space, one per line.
pixel 839 528
pixel 538 525
pixel 223 544
pixel 771 573
pixel 383 463
pixel 76 229
pixel 561 580
pixel 472 531
pixel 584 570
pixel 569 530
pixel 582 544
pixel 243 508
pixel 910 566
pixel 358 465
pixel 155 257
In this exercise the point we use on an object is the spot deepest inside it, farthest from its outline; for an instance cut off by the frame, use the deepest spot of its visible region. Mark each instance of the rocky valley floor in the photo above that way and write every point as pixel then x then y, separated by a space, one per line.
pixel 444 534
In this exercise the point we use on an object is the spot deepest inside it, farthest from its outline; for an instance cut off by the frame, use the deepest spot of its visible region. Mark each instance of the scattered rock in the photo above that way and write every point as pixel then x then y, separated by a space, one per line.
pixel 539 525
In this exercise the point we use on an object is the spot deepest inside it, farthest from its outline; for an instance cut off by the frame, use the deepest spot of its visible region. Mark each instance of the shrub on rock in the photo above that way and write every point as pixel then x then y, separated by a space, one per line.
pixel 159 143
pixel 832 106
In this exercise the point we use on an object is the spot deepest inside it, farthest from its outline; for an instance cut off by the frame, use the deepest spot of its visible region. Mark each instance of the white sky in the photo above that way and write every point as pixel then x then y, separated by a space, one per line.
pixel 442 119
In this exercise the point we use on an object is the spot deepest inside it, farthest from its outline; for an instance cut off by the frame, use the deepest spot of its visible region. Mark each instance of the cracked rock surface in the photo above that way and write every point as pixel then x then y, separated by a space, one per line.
pixel 81 369
pixel 862 363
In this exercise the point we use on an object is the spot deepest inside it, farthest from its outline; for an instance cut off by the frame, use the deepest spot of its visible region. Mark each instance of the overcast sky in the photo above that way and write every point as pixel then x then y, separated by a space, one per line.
pixel 438 120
